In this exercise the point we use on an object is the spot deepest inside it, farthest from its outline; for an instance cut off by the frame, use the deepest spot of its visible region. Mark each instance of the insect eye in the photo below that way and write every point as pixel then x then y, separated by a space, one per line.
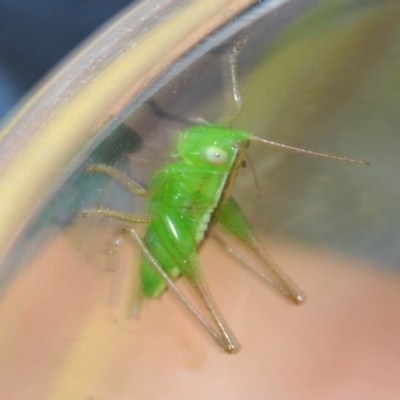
pixel 216 155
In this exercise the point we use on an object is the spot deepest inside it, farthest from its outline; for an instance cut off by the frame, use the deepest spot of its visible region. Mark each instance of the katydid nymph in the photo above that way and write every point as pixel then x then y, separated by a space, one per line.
pixel 187 199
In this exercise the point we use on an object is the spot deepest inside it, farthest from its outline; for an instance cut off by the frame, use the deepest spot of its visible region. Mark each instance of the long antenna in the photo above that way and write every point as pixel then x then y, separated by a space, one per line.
pixel 313 153
pixel 229 120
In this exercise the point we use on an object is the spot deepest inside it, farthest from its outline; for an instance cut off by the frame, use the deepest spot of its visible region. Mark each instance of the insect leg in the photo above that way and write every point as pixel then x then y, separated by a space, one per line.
pixel 231 217
pixel 134 300
pixel 224 338
pixel 113 214
pixel 280 281
pixel 130 292
pixel 120 177
pixel 228 340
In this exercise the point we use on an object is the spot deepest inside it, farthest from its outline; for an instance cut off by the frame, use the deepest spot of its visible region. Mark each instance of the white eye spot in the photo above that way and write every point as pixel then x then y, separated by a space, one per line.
pixel 216 155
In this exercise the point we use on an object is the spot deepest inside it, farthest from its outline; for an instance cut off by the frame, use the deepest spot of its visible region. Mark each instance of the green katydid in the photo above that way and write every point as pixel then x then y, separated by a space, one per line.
pixel 187 197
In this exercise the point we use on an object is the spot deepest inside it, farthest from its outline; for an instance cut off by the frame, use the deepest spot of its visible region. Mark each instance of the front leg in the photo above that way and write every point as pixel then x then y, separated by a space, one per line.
pixel 120 177
pixel 116 215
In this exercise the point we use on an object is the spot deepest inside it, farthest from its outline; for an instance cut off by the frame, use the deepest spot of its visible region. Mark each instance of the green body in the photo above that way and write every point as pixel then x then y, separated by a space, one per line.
pixel 186 198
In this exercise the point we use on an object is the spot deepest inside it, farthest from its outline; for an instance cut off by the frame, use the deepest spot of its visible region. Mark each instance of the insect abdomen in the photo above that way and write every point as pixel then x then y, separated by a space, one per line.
pixel 180 211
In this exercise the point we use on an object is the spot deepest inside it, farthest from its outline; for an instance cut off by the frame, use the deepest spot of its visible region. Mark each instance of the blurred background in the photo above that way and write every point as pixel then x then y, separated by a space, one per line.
pixel 329 82
pixel 35 35
pixel 326 79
